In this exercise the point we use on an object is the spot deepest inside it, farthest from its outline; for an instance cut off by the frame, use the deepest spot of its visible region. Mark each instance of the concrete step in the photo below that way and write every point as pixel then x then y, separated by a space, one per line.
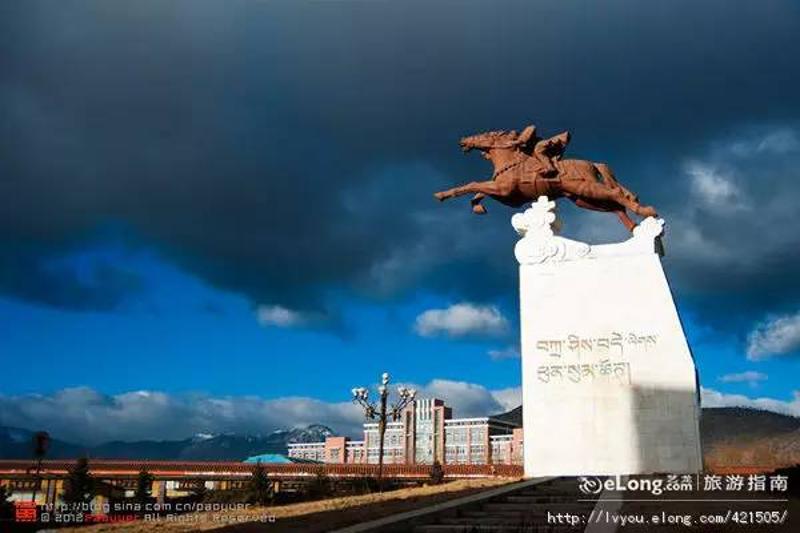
pixel 492 520
pixel 479 515
pixel 536 507
pixel 555 482
pixel 541 509
pixel 556 493
pixel 538 498
pixel 528 510
pixel 524 510
pixel 532 528
pixel 565 487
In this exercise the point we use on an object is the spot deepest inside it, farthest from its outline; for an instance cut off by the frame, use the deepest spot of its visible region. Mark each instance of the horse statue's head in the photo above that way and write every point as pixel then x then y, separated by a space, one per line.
pixel 498 140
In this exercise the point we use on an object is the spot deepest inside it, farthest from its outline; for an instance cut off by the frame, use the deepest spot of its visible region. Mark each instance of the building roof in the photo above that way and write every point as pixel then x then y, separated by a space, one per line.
pixel 271 458
pixel 478 421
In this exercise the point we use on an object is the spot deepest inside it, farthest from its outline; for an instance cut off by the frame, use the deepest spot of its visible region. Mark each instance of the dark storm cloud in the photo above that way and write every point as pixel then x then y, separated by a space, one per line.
pixel 280 149
pixel 735 239
pixel 39 275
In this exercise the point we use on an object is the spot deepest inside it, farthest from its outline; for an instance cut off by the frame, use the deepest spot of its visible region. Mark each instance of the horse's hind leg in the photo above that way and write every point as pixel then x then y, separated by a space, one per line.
pixel 606 207
pixel 644 210
pixel 635 206
pixel 621 198
pixel 625 219
pixel 611 180
pixel 600 192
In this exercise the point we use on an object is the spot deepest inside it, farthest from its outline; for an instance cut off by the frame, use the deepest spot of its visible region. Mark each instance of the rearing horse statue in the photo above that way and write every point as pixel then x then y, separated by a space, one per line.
pixel 526 167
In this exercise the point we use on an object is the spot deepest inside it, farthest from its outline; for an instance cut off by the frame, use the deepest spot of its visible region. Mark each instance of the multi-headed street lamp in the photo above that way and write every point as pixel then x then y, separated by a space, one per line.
pixel 380 412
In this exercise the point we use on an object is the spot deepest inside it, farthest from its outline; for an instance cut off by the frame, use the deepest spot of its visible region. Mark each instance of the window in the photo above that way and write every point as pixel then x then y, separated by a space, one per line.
pixel 477 434
pixel 477 454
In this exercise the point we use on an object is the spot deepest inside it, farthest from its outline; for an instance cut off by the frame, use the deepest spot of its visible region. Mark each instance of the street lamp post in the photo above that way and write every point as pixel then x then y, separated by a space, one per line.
pixel 41 440
pixel 381 412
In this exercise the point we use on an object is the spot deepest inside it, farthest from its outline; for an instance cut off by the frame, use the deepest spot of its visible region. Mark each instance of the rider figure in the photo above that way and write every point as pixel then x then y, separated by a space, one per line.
pixel 548 150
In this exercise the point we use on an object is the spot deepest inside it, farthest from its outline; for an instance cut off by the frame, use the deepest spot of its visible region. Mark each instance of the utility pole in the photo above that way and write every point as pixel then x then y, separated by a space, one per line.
pixel 41 440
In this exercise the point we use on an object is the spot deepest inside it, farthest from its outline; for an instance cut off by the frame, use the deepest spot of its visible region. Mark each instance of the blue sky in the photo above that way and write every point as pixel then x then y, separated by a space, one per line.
pixel 213 341
pixel 201 339
pixel 220 218
pixel 187 340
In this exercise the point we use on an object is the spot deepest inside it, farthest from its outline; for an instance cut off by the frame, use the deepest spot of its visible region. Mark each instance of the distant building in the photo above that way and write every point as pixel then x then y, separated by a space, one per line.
pixel 355 452
pixel 273 459
pixel 507 449
pixel 310 451
pixel 425 432
pixel 469 441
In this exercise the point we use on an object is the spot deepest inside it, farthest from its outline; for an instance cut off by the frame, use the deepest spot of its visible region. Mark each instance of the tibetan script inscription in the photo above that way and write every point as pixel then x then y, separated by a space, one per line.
pixel 619 372
pixel 612 344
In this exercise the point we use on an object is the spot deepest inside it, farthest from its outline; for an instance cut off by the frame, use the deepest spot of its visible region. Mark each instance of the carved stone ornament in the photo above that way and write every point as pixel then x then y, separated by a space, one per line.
pixel 539 225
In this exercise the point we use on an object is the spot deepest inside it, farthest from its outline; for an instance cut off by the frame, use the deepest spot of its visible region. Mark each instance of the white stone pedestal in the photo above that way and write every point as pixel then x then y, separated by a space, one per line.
pixel 608 381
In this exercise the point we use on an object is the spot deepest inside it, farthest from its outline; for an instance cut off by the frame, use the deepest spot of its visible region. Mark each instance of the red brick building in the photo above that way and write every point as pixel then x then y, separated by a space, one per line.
pixel 426 432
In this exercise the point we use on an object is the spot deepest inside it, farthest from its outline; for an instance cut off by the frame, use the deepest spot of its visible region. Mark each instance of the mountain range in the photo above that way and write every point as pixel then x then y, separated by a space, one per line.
pixel 731 436
pixel 15 443
pixel 737 436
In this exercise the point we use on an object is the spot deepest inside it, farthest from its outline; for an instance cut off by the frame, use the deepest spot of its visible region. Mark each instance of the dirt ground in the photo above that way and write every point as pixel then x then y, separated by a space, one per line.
pixel 322 515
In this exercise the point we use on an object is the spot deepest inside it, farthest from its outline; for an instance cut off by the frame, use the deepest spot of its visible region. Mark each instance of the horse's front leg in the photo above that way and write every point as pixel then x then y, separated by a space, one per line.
pixel 477 207
pixel 486 187
pixel 452 193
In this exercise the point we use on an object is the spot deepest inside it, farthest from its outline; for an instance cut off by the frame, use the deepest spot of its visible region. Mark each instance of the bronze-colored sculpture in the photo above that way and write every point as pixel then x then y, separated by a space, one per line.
pixel 526 167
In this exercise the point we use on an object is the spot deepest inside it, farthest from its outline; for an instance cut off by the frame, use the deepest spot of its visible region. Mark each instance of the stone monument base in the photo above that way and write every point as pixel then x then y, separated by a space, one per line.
pixel 609 383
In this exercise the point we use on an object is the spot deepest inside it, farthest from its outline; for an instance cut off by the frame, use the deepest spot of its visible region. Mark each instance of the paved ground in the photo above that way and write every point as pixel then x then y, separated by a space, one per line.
pixel 318 516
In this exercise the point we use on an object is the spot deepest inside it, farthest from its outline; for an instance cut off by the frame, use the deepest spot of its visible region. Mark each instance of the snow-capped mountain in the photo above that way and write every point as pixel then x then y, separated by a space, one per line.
pixel 15 443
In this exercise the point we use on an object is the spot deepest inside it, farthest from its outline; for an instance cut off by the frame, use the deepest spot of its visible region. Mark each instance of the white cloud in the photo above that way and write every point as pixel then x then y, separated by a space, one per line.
pixel 712 187
pixel 777 335
pixel 778 142
pixel 86 416
pixel 715 224
pixel 277 315
pixel 509 398
pixel 713 398
pixel 467 399
pixel 511 352
pixel 460 320
pixel 690 240
pixel 750 377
